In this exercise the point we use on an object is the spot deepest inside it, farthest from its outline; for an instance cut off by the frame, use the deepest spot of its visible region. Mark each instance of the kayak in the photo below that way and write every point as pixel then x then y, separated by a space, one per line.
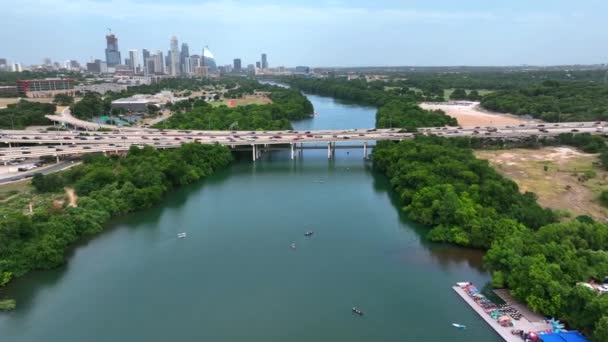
pixel 459 326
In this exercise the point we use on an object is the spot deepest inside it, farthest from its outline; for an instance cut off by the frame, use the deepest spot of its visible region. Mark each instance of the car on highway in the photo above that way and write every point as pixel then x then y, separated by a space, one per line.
pixel 86 148
pixel 58 149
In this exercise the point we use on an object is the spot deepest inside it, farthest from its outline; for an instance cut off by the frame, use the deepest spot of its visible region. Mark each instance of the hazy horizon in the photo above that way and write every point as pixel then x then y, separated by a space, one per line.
pixel 386 33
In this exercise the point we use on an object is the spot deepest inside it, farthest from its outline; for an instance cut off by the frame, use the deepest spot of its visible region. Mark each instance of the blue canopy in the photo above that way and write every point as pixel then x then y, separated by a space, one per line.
pixel 569 336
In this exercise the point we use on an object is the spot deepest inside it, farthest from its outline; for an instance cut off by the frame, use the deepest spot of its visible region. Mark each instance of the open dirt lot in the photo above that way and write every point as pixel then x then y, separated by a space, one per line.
pixel 472 115
pixel 247 100
pixel 562 185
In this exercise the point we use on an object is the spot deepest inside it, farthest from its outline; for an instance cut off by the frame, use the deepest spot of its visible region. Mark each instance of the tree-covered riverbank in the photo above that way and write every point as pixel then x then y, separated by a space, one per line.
pixel 464 201
pixel 107 187
pixel 287 105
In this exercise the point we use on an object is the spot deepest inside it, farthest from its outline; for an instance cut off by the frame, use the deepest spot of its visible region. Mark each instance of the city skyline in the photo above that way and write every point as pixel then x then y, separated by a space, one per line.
pixel 321 33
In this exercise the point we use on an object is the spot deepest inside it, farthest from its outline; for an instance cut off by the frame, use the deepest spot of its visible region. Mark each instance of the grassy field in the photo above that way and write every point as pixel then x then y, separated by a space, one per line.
pixel 19 196
pixel 12 189
pixel 562 177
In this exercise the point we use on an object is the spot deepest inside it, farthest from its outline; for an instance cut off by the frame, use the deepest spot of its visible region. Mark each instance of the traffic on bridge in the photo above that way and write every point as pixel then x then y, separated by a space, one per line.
pixel 47 142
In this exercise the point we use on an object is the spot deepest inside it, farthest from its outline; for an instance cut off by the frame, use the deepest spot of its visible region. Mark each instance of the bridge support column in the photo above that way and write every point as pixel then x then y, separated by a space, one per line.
pixel 57 158
pixel 329 150
pixel 365 150
pixel 253 152
pixel 293 151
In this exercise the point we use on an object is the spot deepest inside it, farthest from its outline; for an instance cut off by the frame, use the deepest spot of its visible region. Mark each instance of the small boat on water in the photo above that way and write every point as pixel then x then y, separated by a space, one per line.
pixel 309 233
pixel 459 326
pixel 357 311
pixel 181 235
pixel 293 245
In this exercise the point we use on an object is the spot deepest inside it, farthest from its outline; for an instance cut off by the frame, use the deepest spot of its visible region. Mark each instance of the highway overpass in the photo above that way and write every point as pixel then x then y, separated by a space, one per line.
pixel 27 143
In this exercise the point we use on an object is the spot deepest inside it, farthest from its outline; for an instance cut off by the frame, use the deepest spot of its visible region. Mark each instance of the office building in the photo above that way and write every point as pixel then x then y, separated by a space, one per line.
pixel 145 54
pixel 159 63
pixel 183 60
pixel 208 60
pixel 9 90
pixel 258 65
pixel 302 69
pixel 112 53
pixel 46 87
pixel 174 69
pixel 237 65
pixel 149 65
pixel 250 68
pixel 264 61
pixel 17 67
pixel 192 63
pixel 3 61
pixel 134 61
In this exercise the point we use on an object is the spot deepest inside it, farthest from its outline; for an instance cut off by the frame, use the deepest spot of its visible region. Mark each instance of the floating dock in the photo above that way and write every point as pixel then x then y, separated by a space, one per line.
pixel 504 332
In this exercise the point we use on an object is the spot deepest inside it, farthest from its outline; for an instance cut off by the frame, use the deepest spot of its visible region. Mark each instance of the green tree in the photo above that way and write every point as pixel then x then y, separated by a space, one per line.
pixel 63 99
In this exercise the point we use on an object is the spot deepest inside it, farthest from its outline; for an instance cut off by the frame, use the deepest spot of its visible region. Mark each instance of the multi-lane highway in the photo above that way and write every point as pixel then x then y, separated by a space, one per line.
pixel 24 143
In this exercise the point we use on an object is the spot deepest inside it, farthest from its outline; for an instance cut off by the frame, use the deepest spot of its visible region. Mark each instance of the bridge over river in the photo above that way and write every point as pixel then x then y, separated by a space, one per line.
pixel 27 143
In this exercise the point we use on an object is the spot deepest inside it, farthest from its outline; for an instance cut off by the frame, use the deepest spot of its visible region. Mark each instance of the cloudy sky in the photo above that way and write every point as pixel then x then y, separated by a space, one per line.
pixel 315 32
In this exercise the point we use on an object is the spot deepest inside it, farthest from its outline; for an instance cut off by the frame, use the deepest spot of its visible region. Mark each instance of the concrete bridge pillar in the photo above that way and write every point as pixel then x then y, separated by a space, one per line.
pixel 328 150
pixel 293 151
pixel 365 150
pixel 57 158
pixel 253 152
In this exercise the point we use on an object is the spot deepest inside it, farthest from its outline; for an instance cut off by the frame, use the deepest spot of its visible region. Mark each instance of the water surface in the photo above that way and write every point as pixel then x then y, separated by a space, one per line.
pixel 235 277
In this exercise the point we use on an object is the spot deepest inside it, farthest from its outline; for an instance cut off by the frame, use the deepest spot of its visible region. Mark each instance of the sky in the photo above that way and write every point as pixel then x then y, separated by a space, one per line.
pixel 317 33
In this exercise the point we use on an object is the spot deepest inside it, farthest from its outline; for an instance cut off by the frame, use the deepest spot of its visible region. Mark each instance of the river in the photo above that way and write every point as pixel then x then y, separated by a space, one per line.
pixel 235 277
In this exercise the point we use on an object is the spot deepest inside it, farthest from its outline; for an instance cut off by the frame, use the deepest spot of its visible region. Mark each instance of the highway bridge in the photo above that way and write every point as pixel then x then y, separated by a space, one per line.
pixel 57 143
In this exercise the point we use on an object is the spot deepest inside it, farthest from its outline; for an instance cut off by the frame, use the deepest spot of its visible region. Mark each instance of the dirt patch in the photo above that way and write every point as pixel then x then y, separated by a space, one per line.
pixel 557 175
pixel 72 197
pixel 472 115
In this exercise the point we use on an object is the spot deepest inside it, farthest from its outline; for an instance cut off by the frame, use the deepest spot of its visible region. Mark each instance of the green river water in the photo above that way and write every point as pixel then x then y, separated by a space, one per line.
pixel 235 277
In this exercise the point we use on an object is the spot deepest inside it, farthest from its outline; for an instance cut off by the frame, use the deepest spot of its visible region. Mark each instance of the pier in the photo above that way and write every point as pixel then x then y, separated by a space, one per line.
pixel 504 332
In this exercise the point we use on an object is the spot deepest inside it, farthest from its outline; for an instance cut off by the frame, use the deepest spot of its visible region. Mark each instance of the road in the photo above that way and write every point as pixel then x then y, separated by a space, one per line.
pixel 44 170
pixel 39 143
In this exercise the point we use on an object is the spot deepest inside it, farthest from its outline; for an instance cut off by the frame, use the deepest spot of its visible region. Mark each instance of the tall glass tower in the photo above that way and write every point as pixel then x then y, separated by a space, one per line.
pixel 112 53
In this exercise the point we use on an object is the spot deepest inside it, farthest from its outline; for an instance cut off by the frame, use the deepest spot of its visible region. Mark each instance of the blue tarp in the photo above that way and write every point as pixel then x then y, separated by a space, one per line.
pixel 570 336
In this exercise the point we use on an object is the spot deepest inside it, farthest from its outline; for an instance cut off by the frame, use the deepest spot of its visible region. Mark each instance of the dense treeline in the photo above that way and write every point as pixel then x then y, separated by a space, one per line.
pixel 466 202
pixel 25 113
pixel 287 105
pixel 464 199
pixel 493 79
pixel 408 115
pixel 553 101
pixel 543 266
pixel 358 91
pixel 107 186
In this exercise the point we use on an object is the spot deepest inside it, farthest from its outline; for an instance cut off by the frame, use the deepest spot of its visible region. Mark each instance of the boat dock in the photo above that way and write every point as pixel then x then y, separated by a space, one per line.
pixel 504 332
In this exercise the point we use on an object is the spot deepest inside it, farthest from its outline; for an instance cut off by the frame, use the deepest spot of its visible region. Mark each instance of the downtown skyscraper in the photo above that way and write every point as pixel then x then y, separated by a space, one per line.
pixel 174 63
pixel 183 59
pixel 112 52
